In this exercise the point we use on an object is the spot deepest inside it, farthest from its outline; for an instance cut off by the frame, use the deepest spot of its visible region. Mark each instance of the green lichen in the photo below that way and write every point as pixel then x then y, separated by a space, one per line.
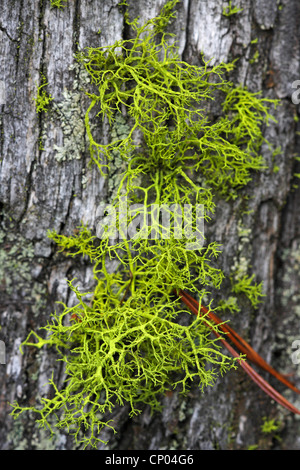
pixel 129 341
pixel 230 10
pixel 255 58
pixel 42 99
pixel 241 281
pixel 270 425
pixel 60 4
pixel 246 285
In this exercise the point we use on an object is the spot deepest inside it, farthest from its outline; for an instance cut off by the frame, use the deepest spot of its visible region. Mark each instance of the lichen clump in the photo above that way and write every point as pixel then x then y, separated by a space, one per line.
pixel 132 340
pixel 43 99
pixel 60 4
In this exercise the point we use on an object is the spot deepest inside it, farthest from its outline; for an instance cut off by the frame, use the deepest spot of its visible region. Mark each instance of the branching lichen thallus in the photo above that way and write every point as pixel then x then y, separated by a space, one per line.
pixel 128 344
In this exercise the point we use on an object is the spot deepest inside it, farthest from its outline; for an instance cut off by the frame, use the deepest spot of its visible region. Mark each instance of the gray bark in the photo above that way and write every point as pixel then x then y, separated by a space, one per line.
pixel 46 183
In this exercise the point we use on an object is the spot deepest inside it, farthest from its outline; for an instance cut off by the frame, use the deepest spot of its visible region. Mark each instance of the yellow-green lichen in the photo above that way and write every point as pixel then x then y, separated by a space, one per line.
pixel 60 4
pixel 43 98
pixel 230 10
pixel 126 343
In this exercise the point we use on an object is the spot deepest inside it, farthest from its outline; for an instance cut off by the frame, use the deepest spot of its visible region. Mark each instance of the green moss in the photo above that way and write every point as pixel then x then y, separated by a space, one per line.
pixel 124 343
pixel 269 430
pixel 246 285
pixel 255 58
pixel 270 425
pixel 241 282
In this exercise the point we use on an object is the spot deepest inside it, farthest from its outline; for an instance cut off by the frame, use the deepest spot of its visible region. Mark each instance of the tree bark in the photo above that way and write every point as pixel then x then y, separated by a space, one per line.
pixel 46 183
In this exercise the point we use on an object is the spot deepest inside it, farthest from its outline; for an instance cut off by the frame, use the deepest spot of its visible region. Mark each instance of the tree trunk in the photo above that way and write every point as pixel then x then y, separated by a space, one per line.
pixel 46 183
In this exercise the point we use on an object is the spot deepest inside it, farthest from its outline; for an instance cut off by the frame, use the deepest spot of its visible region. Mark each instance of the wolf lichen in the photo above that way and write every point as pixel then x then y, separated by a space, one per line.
pixel 130 340
pixel 270 425
pixel 230 10
pixel 60 4
pixel 42 99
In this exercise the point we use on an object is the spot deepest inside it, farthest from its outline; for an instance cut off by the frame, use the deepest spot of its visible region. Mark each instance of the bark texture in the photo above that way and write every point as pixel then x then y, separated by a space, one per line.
pixel 45 182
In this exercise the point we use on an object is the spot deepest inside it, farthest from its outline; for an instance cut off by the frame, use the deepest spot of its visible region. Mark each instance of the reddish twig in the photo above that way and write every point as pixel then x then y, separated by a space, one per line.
pixel 244 348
